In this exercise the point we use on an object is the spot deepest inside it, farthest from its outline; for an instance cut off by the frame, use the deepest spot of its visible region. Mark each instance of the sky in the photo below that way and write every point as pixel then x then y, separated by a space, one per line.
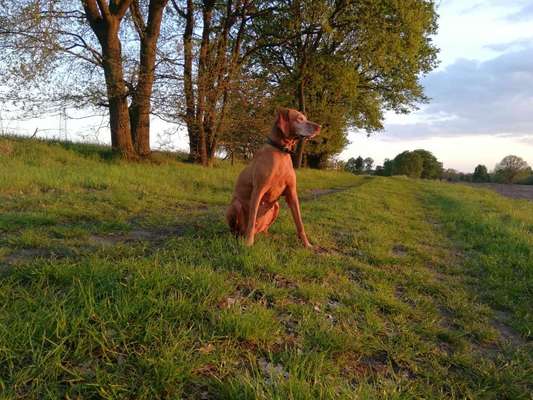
pixel 481 106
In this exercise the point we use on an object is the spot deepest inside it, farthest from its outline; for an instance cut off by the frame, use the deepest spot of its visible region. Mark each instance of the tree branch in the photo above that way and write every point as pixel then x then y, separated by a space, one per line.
pixel 104 9
pixel 120 8
pixel 92 11
pixel 138 20
pixel 181 13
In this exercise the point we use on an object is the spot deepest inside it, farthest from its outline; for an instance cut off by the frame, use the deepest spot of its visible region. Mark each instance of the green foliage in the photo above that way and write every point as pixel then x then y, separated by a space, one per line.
pixel 528 180
pixel 415 164
pixel 408 163
pixel 387 167
pixel 451 175
pixel 511 169
pixel 346 63
pixel 431 167
pixel 368 163
pixel 355 165
pixel 481 174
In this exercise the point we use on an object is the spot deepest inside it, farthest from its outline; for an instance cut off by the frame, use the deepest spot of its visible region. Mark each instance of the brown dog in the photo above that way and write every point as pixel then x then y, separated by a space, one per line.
pixel 270 175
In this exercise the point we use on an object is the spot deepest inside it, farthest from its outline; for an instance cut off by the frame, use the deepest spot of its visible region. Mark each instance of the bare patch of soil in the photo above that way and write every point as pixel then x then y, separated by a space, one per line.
pixel 136 235
pixel 506 333
pixel 399 250
pixel 316 193
pixel 24 255
pixel 313 194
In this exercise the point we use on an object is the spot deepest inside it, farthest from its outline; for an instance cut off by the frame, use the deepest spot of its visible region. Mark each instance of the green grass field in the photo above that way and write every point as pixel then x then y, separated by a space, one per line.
pixel 121 281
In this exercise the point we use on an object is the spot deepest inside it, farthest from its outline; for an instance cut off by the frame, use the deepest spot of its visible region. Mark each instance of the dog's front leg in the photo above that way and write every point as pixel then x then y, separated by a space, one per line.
pixel 255 199
pixel 291 197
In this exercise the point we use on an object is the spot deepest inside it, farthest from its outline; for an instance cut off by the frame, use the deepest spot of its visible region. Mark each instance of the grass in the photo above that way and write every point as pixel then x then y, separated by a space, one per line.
pixel 121 281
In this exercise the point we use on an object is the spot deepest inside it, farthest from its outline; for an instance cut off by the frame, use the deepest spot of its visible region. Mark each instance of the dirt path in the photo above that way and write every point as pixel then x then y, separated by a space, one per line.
pixel 155 235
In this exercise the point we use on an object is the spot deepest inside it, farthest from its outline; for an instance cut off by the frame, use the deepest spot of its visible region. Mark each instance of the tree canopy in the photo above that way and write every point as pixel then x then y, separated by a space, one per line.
pixel 195 62
pixel 511 168
pixel 415 164
pixel 408 163
pixel 481 174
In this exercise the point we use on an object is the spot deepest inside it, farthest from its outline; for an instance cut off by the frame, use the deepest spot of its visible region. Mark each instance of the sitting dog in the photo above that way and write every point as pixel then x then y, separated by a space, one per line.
pixel 270 175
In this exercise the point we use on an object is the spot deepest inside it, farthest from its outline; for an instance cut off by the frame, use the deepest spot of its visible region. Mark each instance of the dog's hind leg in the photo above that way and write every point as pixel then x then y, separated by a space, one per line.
pixel 273 214
pixel 235 218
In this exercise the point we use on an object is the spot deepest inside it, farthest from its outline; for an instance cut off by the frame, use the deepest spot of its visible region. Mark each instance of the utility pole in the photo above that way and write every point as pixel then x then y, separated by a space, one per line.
pixel 63 123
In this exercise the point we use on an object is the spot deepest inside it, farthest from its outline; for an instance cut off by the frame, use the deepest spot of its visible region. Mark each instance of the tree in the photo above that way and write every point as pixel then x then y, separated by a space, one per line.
pixel 431 168
pixel 249 119
pixel 387 167
pixel 355 165
pixel 359 164
pixel 481 174
pixel 408 163
pixel 350 165
pixel 218 58
pixel 372 54
pixel 41 38
pixel 344 63
pixel 451 175
pixel 511 168
pixel 368 163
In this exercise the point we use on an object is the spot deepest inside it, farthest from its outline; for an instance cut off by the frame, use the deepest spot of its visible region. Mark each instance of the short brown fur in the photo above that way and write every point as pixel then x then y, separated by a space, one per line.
pixel 270 175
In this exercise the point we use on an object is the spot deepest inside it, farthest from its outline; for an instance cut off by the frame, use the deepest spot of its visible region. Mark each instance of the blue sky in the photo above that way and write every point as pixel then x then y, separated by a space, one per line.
pixel 482 95
pixel 482 92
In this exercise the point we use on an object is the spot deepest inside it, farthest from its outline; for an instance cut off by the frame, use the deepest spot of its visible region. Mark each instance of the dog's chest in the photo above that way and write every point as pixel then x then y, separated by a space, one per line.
pixel 277 186
pixel 273 194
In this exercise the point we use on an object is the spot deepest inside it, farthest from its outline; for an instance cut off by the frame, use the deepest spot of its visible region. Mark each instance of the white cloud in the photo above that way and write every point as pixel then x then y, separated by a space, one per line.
pixel 472 97
pixel 470 28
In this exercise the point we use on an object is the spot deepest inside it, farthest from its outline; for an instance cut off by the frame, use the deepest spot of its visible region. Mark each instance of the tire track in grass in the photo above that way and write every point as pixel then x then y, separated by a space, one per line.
pixel 409 278
pixel 498 250
pixel 155 236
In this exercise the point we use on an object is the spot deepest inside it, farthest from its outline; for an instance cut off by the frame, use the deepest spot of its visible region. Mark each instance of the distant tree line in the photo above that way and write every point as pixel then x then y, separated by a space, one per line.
pixel 423 164
pixel 414 164
pixel 359 165
pixel 511 169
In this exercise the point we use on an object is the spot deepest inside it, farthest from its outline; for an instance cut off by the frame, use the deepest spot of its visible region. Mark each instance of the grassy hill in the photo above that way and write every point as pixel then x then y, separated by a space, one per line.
pixel 121 281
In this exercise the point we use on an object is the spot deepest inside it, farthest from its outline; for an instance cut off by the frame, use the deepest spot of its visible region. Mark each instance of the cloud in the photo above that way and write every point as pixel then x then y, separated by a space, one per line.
pixel 473 97
pixel 513 46
pixel 525 13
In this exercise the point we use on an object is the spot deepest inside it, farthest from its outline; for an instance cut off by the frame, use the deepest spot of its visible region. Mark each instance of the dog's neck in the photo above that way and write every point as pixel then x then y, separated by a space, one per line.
pixel 279 141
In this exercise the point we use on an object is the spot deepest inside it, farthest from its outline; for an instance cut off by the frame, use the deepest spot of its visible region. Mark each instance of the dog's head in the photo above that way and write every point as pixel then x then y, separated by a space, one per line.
pixel 293 124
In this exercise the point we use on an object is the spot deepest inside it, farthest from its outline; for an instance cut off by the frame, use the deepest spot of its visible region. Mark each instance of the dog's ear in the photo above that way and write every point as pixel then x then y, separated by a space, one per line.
pixel 282 120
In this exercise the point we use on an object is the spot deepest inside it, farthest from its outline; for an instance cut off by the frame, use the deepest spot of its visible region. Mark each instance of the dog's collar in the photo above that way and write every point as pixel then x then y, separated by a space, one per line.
pixel 279 146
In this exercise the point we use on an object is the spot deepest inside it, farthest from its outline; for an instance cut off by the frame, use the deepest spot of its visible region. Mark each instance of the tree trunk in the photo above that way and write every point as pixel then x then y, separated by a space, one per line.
pixel 215 83
pixel 117 94
pixel 300 94
pixel 207 15
pixel 298 156
pixel 190 112
pixel 211 151
pixel 226 72
pixel 105 23
pixel 141 105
